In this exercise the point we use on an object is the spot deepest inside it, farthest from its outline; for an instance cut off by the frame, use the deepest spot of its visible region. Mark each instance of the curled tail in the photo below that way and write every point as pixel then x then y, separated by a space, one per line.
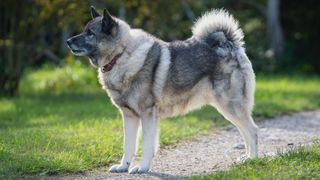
pixel 216 27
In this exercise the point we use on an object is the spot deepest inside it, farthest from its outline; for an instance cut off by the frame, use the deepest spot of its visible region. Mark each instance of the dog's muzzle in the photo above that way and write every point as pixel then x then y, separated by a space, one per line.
pixel 74 49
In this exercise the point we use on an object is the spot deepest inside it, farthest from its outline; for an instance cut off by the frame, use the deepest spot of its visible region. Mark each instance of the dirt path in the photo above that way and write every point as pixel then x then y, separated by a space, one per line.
pixel 221 149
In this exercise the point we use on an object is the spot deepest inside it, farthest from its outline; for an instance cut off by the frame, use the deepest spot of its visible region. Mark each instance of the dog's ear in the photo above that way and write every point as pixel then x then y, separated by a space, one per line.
pixel 94 12
pixel 108 23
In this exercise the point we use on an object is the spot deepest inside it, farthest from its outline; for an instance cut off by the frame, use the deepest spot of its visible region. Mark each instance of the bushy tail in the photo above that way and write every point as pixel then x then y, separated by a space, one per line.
pixel 218 26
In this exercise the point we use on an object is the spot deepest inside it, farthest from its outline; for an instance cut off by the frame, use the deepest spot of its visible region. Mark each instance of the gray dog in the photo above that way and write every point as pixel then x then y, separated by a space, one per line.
pixel 148 79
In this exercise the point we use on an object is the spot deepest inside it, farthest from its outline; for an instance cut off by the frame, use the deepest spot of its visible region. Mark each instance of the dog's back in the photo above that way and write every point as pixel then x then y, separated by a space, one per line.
pixel 216 40
pixel 214 53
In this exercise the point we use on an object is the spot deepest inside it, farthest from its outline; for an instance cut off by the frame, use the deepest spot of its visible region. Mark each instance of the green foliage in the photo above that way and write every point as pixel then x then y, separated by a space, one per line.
pixel 298 163
pixel 74 78
pixel 278 94
pixel 47 24
pixel 61 127
pixel 302 32
pixel 30 29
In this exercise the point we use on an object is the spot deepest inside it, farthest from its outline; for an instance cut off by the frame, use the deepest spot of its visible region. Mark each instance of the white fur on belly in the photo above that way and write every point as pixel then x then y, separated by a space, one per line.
pixel 178 104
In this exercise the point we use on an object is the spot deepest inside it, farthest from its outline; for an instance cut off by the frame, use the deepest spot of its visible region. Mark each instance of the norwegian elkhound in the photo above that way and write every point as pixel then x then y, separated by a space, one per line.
pixel 148 79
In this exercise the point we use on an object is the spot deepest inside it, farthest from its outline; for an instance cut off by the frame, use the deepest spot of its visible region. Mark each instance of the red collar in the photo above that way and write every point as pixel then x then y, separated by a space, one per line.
pixel 110 65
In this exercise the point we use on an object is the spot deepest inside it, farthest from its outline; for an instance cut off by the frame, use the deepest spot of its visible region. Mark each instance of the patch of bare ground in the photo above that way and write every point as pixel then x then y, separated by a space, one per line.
pixel 220 149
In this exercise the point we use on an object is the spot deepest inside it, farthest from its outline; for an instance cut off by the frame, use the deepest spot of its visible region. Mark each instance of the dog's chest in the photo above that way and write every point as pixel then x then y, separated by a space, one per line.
pixel 113 80
pixel 129 93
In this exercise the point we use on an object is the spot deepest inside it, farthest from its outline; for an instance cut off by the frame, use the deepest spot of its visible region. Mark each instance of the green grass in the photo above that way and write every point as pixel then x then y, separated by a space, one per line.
pixel 63 122
pixel 299 163
pixel 276 95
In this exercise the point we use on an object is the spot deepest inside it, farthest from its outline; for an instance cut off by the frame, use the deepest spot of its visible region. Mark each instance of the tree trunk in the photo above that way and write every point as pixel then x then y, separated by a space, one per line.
pixel 122 12
pixel 274 28
pixel 63 44
pixel 187 9
pixel 14 54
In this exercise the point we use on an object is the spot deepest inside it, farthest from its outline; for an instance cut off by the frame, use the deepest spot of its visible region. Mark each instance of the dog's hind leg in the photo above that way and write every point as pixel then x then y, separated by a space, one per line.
pixel 131 126
pixel 234 100
pixel 238 115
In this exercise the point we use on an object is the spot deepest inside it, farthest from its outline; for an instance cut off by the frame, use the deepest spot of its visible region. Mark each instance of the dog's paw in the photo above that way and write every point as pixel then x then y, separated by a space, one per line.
pixel 243 158
pixel 119 168
pixel 138 170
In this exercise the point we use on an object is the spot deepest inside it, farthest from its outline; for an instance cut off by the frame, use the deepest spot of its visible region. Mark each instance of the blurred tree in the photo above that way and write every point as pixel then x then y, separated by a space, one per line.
pixel 274 27
pixel 17 39
pixel 29 31
pixel 301 29
pixel 35 31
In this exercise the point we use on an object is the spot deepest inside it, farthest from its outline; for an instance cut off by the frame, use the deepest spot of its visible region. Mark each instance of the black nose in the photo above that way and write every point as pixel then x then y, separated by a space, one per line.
pixel 69 42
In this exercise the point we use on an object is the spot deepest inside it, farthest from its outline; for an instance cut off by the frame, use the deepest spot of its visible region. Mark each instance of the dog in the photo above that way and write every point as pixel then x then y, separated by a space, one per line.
pixel 149 79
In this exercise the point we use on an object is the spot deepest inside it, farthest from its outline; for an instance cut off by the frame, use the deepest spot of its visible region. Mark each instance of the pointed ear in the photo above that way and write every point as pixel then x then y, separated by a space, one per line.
pixel 108 23
pixel 94 12
pixel 106 13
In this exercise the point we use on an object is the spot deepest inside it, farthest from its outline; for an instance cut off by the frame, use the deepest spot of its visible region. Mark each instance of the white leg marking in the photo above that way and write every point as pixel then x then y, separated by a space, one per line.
pixel 131 126
pixel 150 135
pixel 242 119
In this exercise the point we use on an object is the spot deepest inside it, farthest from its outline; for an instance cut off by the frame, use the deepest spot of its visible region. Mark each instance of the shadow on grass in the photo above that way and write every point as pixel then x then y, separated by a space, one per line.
pixel 48 134
pixel 49 153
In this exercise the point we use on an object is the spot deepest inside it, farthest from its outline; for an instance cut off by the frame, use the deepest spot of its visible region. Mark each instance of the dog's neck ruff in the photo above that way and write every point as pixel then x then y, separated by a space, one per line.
pixel 110 65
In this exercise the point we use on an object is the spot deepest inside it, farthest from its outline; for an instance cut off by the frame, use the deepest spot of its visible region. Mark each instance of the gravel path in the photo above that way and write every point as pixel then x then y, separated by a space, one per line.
pixel 221 149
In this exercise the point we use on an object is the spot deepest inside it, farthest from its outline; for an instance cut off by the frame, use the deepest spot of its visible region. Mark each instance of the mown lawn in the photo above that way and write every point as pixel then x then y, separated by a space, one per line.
pixel 300 163
pixel 63 122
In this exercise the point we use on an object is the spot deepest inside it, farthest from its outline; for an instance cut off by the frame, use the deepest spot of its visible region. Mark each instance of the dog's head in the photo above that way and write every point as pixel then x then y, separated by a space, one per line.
pixel 102 39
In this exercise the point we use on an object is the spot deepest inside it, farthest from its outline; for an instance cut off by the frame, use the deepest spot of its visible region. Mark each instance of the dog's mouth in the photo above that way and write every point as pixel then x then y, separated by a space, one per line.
pixel 79 52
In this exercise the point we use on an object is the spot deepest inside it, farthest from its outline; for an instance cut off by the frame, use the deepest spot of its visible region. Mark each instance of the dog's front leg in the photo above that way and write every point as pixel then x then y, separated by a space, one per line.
pixel 130 126
pixel 149 122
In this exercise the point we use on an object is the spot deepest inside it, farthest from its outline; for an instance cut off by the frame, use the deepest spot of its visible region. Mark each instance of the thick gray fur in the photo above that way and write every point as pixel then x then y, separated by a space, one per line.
pixel 191 60
pixel 145 76
pixel 153 79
